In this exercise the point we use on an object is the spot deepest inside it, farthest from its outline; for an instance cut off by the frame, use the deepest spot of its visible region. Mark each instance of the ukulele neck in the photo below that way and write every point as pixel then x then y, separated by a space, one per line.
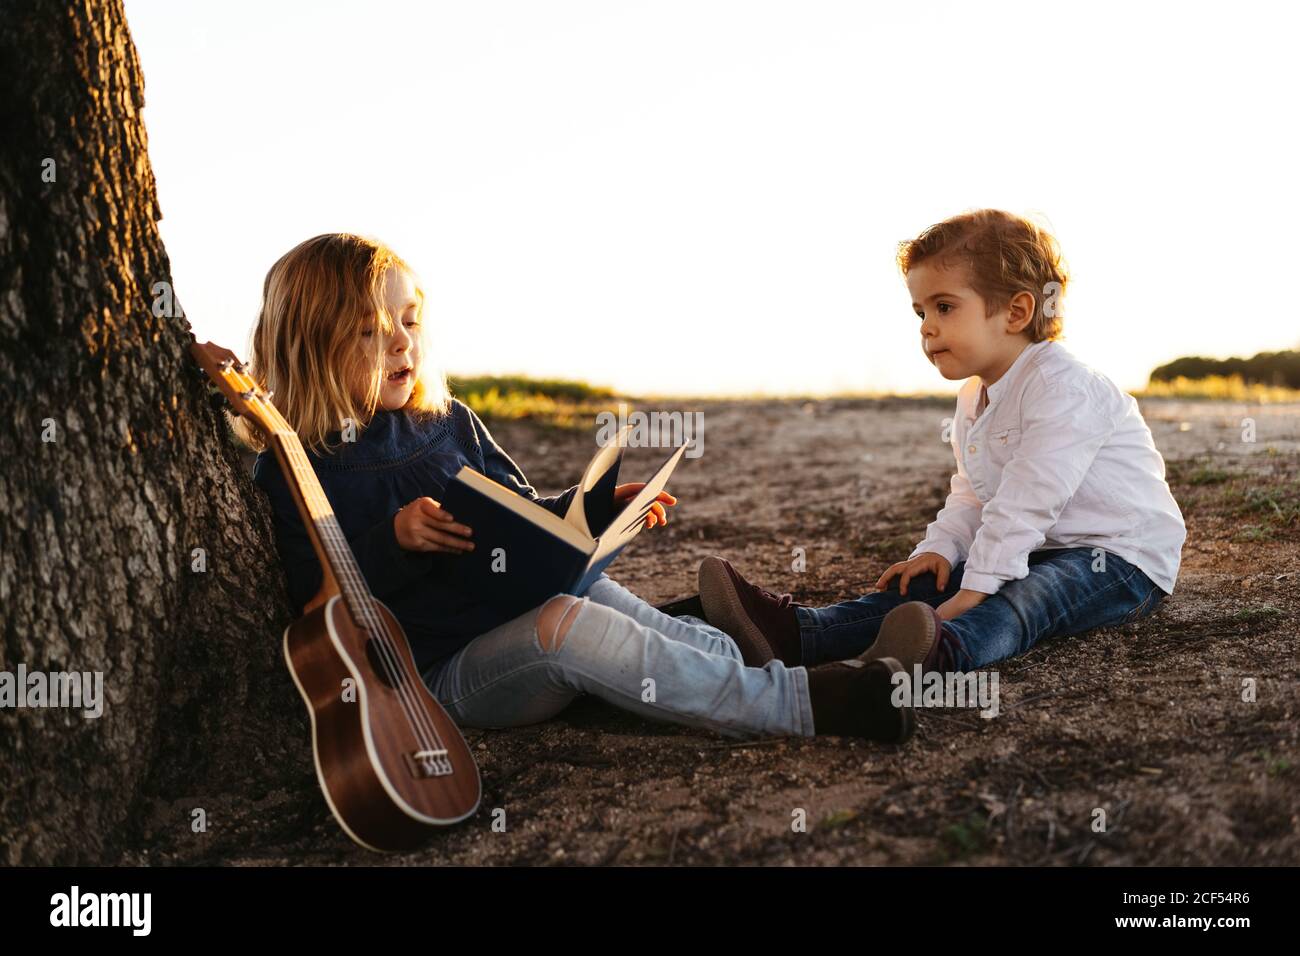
pixel 340 572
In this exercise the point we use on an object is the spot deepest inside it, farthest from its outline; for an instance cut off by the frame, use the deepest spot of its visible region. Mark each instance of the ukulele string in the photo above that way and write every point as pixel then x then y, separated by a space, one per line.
pixel 420 721
pixel 421 724
pixel 378 629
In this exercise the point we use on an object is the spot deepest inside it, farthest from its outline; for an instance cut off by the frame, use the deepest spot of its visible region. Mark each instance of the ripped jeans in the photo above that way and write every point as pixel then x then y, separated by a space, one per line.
pixel 622 650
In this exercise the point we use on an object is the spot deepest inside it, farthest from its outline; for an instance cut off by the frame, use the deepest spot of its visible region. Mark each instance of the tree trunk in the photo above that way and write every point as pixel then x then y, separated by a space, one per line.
pixel 116 467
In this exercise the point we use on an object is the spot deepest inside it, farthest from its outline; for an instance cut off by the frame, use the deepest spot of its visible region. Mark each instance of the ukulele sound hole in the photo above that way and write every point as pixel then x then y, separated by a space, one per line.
pixel 382 664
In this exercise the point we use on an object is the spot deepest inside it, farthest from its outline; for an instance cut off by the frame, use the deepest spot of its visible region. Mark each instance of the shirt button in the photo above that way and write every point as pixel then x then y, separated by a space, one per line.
pixel 971 449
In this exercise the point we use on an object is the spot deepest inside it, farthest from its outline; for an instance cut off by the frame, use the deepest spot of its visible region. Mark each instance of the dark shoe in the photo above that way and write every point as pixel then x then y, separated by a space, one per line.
pixel 914 633
pixel 687 605
pixel 762 623
pixel 853 699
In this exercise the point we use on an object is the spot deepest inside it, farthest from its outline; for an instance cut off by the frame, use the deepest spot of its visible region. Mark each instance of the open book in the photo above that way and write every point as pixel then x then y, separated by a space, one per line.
pixel 524 554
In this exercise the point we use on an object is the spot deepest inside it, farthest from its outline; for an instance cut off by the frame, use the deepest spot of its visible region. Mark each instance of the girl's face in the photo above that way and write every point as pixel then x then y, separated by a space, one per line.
pixel 956 335
pixel 397 353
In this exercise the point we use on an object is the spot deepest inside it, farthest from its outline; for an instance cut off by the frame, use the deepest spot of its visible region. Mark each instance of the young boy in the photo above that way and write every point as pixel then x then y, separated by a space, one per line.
pixel 1059 519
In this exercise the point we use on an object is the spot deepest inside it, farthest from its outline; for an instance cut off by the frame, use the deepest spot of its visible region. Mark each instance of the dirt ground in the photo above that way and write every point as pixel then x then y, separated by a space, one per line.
pixel 1145 721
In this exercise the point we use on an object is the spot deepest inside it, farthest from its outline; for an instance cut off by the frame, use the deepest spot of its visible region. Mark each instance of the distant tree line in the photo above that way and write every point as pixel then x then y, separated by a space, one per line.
pixel 1266 368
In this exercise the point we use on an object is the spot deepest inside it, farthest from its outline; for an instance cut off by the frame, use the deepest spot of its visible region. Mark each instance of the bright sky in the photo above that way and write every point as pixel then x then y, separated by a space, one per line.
pixel 706 197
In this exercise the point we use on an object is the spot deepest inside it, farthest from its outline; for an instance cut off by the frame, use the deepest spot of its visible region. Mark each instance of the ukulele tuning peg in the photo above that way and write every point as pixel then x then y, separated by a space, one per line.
pixel 219 401
pixel 226 363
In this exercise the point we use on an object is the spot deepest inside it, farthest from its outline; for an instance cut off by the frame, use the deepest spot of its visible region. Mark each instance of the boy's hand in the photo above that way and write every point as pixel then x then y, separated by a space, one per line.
pixel 960 603
pixel 656 514
pixel 922 563
pixel 422 525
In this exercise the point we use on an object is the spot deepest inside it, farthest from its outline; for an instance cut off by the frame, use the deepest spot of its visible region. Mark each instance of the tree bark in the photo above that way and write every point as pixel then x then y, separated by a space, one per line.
pixel 98 526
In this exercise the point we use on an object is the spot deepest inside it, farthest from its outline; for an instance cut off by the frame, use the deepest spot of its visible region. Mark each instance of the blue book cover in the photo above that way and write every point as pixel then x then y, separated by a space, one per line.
pixel 524 554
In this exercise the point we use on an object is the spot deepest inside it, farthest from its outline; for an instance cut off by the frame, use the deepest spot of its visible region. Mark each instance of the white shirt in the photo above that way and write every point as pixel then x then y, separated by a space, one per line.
pixel 1060 458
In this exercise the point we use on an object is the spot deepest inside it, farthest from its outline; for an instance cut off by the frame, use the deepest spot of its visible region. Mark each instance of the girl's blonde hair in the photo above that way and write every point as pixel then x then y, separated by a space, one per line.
pixel 316 301
pixel 1005 254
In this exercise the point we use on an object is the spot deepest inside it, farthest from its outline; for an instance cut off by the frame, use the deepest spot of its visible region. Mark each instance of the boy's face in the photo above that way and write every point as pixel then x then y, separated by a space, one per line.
pixel 399 352
pixel 956 335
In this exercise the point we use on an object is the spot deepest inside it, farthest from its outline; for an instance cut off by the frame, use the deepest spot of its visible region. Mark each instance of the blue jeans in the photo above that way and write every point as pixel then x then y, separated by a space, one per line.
pixel 1067 591
pixel 622 650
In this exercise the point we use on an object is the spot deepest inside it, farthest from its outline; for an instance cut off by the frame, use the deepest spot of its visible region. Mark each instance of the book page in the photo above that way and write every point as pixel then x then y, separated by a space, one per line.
pixel 595 495
pixel 631 519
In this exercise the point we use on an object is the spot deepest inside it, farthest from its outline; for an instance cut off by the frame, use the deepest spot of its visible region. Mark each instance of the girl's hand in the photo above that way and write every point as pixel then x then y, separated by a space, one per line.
pixel 656 514
pixel 922 563
pixel 422 525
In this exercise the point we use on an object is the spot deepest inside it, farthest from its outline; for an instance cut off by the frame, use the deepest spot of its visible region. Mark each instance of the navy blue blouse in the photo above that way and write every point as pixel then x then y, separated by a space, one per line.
pixel 396 459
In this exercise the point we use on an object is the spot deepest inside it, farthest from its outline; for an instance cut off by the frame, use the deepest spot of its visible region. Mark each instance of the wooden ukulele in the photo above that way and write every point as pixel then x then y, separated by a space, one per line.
pixel 392 765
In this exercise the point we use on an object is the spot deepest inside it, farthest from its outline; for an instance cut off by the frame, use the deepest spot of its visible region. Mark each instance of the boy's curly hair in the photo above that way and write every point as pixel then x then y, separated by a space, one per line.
pixel 1005 254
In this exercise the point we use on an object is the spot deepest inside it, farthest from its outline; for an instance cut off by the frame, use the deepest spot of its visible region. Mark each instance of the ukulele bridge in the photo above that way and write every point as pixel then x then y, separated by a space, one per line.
pixel 424 764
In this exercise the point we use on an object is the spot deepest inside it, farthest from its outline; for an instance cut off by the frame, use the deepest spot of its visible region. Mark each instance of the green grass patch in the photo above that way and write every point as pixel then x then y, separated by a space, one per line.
pixel 1278 505
pixel 1218 388
pixel 1206 475
pixel 1274 766
pixel 560 389
pixel 965 839
pixel 561 403
pixel 839 818
pixel 1262 612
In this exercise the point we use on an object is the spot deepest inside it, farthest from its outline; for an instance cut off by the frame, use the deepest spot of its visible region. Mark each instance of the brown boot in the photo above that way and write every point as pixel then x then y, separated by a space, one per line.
pixel 914 633
pixel 763 624
pixel 853 699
